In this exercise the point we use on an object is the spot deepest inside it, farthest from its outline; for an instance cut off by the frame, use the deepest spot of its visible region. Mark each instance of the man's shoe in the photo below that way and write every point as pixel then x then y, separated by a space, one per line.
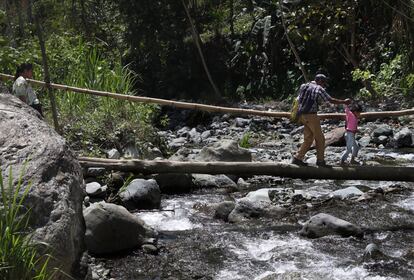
pixel 298 162
pixel 321 163
pixel 355 162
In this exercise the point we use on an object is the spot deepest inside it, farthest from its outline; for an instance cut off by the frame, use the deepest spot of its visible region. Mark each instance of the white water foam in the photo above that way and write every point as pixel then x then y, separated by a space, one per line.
pixel 393 155
pixel 177 216
pixel 407 204
pixel 288 257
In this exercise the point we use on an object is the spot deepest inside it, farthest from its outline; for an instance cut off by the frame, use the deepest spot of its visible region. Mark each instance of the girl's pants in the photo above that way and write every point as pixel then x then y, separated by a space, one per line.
pixel 351 146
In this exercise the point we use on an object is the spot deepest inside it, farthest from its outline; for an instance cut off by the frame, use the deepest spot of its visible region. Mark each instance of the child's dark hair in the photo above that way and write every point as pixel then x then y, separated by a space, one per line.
pixel 21 68
pixel 356 106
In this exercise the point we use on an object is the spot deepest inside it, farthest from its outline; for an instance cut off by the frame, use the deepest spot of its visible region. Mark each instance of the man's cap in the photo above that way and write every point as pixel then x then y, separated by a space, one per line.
pixel 321 77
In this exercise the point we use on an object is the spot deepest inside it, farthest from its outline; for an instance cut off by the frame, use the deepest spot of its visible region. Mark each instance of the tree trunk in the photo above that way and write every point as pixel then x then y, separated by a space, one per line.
pixel 377 173
pixel 19 10
pixel 9 16
pixel 29 11
pixel 46 73
pixel 84 21
pixel 292 46
pixel 231 19
pixel 197 41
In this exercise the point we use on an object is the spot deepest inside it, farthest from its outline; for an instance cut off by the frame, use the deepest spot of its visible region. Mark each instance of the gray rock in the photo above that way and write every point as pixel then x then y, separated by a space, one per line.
pixel 242 184
pixel 177 142
pixel 403 138
pixel 95 171
pixel 194 136
pixel 240 122
pixel 150 249
pixel 245 209
pixel 181 155
pixel 111 228
pixel 95 189
pixel 57 191
pixel 223 209
pixel 255 204
pixel 152 153
pixel 364 141
pixel 225 150
pixel 113 154
pixel 324 224
pixel 174 183
pixel 213 181
pixel 347 192
pixel 380 140
pixel 131 151
pixel 206 134
pixel 382 130
pixel 141 194
pixel 183 132
pixel 373 252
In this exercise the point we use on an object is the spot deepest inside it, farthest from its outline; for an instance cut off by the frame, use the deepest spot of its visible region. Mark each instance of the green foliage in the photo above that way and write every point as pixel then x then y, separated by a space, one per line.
pixel 244 43
pixel 245 140
pixel 94 123
pixel 389 80
pixel 18 256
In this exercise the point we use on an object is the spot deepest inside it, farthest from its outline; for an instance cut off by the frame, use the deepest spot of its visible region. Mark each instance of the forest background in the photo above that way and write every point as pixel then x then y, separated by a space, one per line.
pixel 216 52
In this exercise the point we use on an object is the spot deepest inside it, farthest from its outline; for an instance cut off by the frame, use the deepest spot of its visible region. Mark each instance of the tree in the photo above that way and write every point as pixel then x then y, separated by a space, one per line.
pixel 39 11
pixel 197 42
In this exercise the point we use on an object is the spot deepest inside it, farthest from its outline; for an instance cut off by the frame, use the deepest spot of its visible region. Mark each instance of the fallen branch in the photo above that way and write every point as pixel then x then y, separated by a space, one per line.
pixel 377 173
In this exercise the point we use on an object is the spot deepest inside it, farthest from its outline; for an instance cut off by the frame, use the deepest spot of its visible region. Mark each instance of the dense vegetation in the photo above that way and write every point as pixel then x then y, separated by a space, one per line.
pixel 213 51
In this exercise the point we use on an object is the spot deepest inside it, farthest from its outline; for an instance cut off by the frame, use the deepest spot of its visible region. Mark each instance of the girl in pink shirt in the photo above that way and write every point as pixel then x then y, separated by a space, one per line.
pixel 352 114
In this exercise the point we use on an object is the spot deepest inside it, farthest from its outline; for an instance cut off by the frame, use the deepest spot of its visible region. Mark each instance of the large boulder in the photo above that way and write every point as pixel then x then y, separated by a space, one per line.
pixel 213 181
pixel 382 130
pixel 223 209
pixel 335 137
pixel 174 183
pixel 403 138
pixel 347 192
pixel 255 204
pixel 111 228
pixel 141 194
pixel 31 147
pixel 324 224
pixel 225 150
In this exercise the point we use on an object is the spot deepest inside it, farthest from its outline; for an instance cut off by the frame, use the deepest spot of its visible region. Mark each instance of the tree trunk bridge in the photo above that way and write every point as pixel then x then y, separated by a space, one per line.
pixel 376 173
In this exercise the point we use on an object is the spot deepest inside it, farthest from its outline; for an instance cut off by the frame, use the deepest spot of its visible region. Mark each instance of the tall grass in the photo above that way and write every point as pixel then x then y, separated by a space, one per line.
pixel 18 256
pixel 95 123
pixel 95 72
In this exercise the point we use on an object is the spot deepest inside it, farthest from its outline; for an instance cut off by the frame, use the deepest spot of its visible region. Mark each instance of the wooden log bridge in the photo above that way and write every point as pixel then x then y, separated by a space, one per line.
pixel 203 107
pixel 376 173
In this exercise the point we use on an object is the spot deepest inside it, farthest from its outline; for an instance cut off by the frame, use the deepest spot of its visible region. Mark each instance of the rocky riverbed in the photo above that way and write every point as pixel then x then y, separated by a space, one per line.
pixel 261 227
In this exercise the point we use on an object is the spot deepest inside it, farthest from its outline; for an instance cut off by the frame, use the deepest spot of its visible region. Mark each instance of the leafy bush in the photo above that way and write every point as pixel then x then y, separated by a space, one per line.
pixel 18 256
pixel 389 80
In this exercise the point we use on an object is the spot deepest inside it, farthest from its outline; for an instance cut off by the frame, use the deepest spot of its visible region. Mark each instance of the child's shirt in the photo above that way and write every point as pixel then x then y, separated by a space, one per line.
pixel 22 88
pixel 351 121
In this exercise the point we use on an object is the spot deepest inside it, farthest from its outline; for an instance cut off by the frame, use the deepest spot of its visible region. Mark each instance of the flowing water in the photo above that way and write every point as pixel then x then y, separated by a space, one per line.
pixel 194 245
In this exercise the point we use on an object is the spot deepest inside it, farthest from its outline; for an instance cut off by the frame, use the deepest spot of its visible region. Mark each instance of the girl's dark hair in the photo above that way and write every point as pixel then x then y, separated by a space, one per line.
pixel 356 106
pixel 21 68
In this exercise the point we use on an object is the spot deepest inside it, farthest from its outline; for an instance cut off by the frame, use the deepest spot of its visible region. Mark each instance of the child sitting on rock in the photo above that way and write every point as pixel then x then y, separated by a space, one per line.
pixel 352 114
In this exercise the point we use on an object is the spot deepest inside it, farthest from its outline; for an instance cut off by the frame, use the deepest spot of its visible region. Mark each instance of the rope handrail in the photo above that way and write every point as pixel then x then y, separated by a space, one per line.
pixel 203 107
